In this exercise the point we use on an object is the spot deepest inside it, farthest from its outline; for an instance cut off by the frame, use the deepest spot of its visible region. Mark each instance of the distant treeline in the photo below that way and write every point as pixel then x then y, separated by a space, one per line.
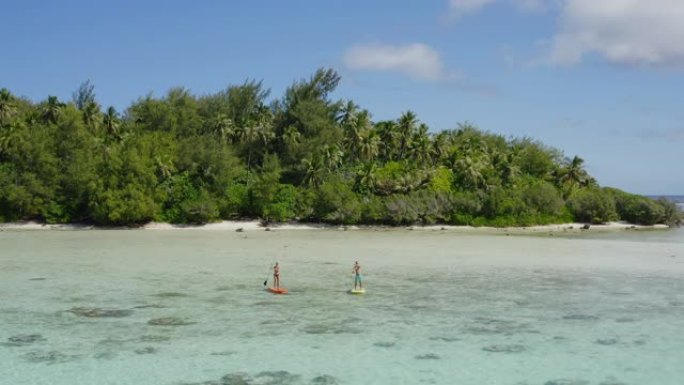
pixel 304 156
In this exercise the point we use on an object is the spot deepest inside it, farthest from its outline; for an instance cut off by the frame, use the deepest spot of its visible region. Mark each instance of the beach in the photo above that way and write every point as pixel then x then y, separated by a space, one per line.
pixel 253 225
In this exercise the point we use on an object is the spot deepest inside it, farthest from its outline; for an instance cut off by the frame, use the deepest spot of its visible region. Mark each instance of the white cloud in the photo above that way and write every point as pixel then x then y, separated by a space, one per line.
pixel 462 7
pixel 632 32
pixel 417 60
pixel 459 8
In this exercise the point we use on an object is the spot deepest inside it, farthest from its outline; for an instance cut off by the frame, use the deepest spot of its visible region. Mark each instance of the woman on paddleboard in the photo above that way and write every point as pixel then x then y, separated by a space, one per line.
pixel 357 276
pixel 276 275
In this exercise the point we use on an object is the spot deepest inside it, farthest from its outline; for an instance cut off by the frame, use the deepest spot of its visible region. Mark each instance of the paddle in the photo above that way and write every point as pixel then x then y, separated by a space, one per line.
pixel 266 280
pixel 269 273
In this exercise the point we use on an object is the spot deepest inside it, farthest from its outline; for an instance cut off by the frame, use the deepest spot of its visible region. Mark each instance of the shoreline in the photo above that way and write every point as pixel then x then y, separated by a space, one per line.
pixel 245 226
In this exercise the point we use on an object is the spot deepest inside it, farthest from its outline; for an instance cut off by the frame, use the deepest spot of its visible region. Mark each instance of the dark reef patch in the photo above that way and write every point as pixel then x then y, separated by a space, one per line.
pixel 47 357
pixel 504 348
pixel 170 321
pixel 278 377
pixel 324 380
pixel 383 344
pixel 444 339
pixel 171 294
pixel 330 328
pixel 580 317
pixel 565 381
pixel 24 339
pixel 499 326
pixel 429 356
pixel 96 312
pixel 152 306
pixel 607 341
pixel 224 353
pixel 153 338
pixel 146 350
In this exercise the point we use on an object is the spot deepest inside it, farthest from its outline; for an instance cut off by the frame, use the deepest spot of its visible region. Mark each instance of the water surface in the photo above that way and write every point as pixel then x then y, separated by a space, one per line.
pixel 188 307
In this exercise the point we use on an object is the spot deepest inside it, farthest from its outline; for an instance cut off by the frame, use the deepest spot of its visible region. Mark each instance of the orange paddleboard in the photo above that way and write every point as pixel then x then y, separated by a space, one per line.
pixel 277 290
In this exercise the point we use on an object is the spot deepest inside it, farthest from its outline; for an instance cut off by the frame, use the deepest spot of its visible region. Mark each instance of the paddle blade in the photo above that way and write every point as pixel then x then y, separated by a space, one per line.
pixel 266 282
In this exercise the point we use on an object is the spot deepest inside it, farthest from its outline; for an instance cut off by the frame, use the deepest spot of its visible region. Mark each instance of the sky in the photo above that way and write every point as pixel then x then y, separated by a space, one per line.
pixel 599 79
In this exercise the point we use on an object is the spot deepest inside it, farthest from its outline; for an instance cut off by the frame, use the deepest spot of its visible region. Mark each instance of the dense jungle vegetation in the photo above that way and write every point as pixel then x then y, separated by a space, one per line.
pixel 236 154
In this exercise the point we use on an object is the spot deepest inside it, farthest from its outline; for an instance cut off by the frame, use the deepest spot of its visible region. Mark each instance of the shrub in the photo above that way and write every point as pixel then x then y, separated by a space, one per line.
pixel 673 216
pixel 236 201
pixel 503 202
pixel 125 206
pixel 282 207
pixel 543 198
pixel 593 206
pixel 200 209
pixel 643 210
pixel 335 202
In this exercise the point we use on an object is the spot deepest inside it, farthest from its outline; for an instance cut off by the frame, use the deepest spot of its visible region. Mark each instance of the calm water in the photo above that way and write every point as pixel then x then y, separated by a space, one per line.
pixel 94 307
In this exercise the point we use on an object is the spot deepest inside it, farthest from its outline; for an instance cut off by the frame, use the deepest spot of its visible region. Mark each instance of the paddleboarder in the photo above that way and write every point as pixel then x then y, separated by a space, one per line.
pixel 276 275
pixel 357 276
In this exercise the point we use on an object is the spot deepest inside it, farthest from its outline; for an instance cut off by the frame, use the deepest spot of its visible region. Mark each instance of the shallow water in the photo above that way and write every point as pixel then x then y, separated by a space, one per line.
pixel 188 307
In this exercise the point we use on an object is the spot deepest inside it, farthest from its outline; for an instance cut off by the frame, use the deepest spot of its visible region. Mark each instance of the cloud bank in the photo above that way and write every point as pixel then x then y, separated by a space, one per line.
pixel 625 32
pixel 629 32
pixel 458 8
pixel 417 60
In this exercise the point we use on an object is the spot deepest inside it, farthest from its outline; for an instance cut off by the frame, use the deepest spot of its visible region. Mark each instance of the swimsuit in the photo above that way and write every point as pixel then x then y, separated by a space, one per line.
pixel 357 279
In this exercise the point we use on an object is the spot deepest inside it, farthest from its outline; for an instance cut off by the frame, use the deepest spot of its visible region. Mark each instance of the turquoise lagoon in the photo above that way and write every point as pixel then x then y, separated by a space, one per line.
pixel 442 307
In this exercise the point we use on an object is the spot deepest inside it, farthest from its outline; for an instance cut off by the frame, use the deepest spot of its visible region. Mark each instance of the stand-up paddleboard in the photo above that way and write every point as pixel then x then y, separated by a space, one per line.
pixel 277 290
pixel 357 291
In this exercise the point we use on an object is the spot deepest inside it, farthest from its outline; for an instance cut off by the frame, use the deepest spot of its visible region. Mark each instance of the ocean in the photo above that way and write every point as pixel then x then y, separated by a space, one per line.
pixel 441 307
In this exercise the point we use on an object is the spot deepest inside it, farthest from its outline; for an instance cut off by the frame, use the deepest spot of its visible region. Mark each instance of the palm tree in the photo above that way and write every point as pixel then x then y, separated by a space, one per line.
pixel 314 171
pixel 420 146
pixel 91 113
pixel 165 166
pixel 7 107
pixel 509 169
pixel 406 126
pixel 440 147
pixel 355 127
pixel 291 136
pixel 469 162
pixel 347 113
pixel 256 136
pixel 111 122
pixel 365 178
pixel 469 171
pixel 332 157
pixel 222 126
pixel 387 131
pixel 572 175
pixel 369 146
pixel 52 109
pixel 575 171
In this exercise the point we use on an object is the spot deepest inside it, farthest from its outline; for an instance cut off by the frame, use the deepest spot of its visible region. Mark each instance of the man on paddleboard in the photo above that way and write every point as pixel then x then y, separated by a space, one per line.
pixel 276 275
pixel 357 276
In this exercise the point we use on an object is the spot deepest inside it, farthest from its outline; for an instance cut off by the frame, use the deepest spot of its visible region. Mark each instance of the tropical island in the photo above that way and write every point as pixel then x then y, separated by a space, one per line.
pixel 304 157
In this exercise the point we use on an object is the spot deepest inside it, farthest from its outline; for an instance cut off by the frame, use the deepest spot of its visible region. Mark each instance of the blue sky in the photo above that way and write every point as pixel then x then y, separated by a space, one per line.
pixel 600 79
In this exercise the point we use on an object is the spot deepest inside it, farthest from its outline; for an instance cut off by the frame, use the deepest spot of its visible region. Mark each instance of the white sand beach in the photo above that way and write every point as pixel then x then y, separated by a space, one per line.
pixel 254 225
